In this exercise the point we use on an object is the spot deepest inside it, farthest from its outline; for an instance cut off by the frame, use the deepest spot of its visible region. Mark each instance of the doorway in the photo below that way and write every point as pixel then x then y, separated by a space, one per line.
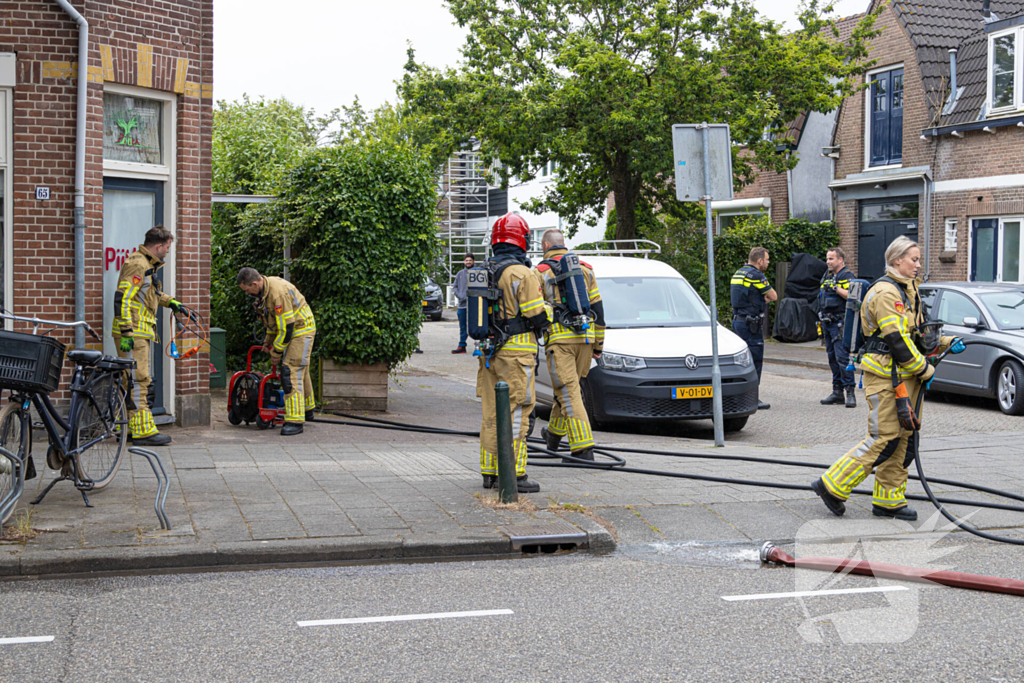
pixel 130 208
pixel 880 222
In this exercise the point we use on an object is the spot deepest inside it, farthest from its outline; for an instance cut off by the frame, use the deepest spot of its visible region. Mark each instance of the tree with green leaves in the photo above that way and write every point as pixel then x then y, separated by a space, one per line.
pixel 596 85
pixel 255 142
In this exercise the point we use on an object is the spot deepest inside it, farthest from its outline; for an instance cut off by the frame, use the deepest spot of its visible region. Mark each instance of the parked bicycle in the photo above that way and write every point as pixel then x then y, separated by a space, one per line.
pixel 86 445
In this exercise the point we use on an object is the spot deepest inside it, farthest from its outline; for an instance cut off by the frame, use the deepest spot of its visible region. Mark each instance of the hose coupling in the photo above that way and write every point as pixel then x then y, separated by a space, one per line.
pixel 766 551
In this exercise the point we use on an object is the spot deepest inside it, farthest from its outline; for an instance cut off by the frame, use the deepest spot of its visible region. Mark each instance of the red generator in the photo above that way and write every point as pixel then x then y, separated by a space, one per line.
pixel 253 397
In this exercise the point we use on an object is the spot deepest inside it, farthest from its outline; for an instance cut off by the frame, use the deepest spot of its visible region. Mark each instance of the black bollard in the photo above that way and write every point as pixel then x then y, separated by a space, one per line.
pixel 507 491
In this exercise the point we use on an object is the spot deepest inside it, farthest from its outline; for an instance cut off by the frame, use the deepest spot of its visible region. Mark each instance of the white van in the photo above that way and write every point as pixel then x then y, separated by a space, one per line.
pixel 657 352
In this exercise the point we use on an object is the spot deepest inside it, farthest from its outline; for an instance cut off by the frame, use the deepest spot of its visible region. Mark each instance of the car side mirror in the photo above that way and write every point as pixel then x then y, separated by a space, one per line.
pixel 975 323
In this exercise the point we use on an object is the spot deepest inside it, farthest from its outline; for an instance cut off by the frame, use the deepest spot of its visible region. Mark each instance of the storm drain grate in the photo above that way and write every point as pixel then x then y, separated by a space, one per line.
pixel 547 537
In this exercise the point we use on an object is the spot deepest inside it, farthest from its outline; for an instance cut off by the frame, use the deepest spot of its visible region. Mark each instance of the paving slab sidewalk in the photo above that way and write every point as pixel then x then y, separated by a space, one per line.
pixel 241 497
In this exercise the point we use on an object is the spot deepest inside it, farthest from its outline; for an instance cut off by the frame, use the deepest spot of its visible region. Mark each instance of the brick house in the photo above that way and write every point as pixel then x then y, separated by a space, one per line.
pixel 148 96
pixel 802 192
pixel 943 165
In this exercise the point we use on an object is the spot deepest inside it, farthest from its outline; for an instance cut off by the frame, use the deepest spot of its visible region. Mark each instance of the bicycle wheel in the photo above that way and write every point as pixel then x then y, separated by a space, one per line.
pixel 13 441
pixel 106 420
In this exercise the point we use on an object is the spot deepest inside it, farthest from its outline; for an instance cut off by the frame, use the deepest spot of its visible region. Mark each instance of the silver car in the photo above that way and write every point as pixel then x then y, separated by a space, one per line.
pixel 981 310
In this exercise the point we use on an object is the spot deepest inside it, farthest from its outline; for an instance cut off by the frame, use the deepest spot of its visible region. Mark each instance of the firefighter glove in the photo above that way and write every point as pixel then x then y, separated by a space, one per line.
pixel 127 344
pixel 175 306
pixel 927 373
pixel 957 346
pixel 904 411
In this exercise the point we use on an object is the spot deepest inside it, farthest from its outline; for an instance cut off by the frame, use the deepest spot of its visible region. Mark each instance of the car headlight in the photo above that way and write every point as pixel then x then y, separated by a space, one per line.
pixel 617 363
pixel 743 358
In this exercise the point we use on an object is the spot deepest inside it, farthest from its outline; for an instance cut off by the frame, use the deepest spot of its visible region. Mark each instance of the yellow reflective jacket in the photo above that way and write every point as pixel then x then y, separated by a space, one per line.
pixel 884 310
pixel 138 295
pixel 284 313
pixel 520 294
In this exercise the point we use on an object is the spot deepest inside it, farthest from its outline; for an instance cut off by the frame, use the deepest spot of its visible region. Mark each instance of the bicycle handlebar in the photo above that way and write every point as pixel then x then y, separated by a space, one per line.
pixel 36 322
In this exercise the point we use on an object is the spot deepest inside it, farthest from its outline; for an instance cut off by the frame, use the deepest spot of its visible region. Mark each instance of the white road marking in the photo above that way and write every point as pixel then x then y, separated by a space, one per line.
pixel 813 594
pixel 408 617
pixel 31 639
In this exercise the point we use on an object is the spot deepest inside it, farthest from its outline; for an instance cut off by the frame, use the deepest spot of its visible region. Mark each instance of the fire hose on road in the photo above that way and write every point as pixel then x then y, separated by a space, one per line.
pixel 770 553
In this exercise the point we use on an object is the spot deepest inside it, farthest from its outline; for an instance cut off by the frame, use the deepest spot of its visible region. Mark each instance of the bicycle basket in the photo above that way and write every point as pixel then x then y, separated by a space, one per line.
pixel 30 362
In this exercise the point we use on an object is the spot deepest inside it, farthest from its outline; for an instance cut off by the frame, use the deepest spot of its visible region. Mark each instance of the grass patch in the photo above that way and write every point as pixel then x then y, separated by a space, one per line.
pixel 491 501
pixel 21 531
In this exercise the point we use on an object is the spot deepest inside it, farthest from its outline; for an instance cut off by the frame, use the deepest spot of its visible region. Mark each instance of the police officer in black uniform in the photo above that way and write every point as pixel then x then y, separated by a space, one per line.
pixel 751 294
pixel 835 287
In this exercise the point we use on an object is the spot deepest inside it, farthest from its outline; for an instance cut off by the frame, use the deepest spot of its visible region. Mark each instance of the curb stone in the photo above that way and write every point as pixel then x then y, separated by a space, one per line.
pixel 241 553
pixel 598 538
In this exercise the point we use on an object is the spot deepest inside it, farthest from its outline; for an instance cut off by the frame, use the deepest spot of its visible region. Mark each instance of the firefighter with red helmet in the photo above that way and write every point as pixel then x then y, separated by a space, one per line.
pixel 521 316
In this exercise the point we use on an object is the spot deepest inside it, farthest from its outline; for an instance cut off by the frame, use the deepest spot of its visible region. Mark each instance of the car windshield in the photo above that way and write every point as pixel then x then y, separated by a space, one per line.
pixel 651 302
pixel 1006 307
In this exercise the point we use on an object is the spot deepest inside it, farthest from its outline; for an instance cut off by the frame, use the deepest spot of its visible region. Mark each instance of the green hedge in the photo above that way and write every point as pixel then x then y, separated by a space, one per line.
pixel 235 245
pixel 361 217
pixel 684 247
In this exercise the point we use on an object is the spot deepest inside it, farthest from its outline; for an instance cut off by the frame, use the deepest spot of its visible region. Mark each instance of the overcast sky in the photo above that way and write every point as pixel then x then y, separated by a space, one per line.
pixel 324 53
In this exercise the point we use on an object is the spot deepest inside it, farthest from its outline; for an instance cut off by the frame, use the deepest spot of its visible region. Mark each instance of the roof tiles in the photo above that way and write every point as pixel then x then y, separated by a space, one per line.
pixel 936 26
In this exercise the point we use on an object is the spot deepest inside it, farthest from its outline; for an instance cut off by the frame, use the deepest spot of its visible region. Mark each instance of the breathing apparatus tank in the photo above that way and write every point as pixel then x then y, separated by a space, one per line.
pixel 853 332
pixel 479 298
pixel 574 309
pixel 483 297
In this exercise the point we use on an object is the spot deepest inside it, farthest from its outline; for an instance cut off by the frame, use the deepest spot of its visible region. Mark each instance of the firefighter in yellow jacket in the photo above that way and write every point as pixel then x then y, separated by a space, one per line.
pixel 136 301
pixel 568 347
pixel 521 316
pixel 290 332
pixel 892 318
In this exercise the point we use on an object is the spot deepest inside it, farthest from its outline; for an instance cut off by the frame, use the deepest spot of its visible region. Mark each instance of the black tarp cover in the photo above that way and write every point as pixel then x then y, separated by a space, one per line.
pixel 805 272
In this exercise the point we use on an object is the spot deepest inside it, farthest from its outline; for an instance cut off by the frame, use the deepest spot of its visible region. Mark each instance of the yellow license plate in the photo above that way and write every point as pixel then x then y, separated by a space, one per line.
pixel 426 303
pixel 691 392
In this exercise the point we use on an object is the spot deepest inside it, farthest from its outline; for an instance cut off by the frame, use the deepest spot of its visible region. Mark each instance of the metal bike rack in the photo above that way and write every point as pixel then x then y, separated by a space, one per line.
pixel 19 484
pixel 162 484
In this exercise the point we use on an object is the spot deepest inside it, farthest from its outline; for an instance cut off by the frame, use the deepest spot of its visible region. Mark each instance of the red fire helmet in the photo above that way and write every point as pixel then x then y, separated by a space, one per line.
pixel 510 228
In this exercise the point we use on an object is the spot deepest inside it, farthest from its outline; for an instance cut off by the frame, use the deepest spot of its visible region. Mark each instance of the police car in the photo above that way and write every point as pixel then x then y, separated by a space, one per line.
pixel 656 363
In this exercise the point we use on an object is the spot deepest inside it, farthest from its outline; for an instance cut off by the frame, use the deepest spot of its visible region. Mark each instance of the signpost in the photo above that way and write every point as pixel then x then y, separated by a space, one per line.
pixel 703 163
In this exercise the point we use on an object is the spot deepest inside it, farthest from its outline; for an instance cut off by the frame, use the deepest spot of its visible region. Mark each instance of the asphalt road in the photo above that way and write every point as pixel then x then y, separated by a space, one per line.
pixel 644 613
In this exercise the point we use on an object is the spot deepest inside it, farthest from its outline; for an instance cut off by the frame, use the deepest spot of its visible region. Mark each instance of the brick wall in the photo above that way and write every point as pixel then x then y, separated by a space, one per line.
pixel 978 154
pixel 846 221
pixel 165 46
pixel 891 48
pixel 773 185
pixel 953 266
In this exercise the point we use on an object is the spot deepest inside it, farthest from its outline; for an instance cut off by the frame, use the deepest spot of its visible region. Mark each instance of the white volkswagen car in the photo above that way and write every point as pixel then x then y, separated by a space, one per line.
pixel 656 364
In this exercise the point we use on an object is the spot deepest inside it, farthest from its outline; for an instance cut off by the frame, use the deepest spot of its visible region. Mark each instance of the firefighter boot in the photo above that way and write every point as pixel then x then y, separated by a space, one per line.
pixel 154 440
pixel 582 454
pixel 904 513
pixel 490 481
pixel 291 428
pixel 851 397
pixel 836 506
pixel 551 440
pixel 835 398
pixel 524 485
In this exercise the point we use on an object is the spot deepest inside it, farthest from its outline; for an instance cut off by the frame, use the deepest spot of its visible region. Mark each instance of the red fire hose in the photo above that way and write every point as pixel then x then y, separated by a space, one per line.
pixel 992 584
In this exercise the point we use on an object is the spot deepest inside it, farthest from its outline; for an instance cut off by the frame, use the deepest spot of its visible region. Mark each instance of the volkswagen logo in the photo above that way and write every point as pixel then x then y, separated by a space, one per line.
pixel 691 362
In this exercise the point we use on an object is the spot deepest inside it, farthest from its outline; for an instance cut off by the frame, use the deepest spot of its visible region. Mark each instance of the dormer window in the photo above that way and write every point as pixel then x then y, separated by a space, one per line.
pixel 1005 67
